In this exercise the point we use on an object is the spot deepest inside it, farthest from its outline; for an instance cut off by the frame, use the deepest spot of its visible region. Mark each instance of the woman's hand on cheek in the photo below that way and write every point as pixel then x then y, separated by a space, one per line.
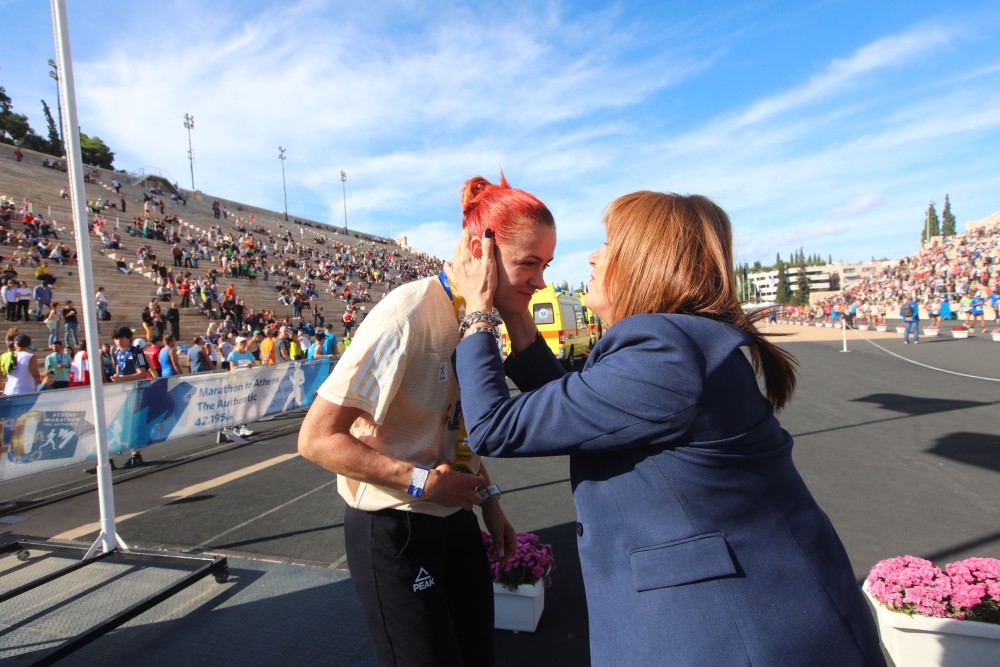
pixel 473 271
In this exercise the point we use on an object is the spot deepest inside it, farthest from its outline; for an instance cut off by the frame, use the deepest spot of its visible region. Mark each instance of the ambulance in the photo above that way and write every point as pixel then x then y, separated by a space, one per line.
pixel 562 320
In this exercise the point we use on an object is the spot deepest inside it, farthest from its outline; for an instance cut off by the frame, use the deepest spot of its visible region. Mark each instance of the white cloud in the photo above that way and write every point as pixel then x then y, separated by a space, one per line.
pixel 844 73
pixel 858 205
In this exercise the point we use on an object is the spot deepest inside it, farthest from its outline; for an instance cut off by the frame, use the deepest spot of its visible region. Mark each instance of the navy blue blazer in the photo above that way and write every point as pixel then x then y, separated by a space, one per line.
pixel 699 542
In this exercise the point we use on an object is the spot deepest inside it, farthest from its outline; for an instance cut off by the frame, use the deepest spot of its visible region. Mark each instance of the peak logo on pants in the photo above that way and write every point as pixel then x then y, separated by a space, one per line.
pixel 423 581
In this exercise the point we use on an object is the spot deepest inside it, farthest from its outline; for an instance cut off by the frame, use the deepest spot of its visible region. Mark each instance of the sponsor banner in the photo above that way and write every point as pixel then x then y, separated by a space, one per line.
pixel 51 429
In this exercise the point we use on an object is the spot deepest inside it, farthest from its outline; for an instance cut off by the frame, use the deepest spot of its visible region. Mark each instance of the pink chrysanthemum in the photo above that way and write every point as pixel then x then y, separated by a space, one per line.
pixel 975 584
pixel 911 585
pixel 532 562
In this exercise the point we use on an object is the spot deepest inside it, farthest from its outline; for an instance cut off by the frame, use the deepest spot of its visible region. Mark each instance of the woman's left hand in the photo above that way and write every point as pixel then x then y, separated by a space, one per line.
pixel 475 278
pixel 501 531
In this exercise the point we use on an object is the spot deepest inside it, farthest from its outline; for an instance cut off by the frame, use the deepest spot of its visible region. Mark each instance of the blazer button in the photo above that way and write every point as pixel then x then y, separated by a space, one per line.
pixel 579 529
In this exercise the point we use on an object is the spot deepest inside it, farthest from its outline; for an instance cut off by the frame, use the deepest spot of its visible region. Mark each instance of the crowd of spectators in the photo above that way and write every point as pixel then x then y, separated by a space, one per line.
pixel 204 269
pixel 950 279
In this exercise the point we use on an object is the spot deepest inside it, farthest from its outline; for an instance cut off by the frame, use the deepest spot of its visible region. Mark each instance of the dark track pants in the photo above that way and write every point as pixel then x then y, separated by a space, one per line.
pixel 425 585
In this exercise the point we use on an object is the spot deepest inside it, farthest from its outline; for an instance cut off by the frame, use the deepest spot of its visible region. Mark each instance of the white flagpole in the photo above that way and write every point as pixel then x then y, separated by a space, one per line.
pixel 108 539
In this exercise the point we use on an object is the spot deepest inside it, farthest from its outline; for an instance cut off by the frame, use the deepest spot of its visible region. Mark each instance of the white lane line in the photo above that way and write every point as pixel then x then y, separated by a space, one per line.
pixel 87 528
pixel 264 514
pixel 195 489
pixel 917 363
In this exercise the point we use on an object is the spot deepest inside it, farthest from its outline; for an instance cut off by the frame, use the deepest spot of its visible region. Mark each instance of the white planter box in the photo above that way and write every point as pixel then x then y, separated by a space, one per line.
pixel 828 325
pixel 901 330
pixel 995 337
pixel 862 327
pixel 881 327
pixel 931 331
pixel 921 641
pixel 959 334
pixel 519 609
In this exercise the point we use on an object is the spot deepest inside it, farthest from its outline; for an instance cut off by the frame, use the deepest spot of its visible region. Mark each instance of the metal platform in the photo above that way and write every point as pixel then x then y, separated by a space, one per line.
pixel 57 599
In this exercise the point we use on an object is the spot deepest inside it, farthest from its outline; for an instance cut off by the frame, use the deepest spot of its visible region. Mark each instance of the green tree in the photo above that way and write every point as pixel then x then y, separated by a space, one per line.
pixel 782 292
pixel 802 286
pixel 947 218
pixel 55 144
pixel 932 225
pixel 95 152
pixel 14 127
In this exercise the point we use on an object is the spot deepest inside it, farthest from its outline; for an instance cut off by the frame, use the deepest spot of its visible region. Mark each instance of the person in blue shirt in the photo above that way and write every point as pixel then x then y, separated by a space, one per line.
pixel 130 365
pixel 241 357
pixel 976 311
pixel 169 361
pixel 315 350
pixel 910 312
pixel 994 299
pixel 330 345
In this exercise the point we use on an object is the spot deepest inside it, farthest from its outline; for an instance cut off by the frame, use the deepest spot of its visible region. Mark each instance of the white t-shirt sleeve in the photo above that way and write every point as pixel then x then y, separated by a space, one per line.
pixel 371 370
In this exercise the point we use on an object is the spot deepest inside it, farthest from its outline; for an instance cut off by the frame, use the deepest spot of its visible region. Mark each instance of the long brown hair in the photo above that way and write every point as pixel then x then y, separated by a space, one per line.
pixel 669 253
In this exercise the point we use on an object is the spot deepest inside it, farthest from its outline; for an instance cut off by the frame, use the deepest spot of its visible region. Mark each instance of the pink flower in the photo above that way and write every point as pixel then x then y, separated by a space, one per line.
pixel 532 562
pixel 911 585
pixel 975 586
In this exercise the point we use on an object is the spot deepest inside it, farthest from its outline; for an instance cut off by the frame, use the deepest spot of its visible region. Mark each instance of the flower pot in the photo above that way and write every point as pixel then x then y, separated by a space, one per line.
pixel 959 334
pixel 995 337
pixel 921 641
pixel 828 325
pixel 862 327
pixel 518 609
pixel 881 327
pixel 931 331
pixel 900 330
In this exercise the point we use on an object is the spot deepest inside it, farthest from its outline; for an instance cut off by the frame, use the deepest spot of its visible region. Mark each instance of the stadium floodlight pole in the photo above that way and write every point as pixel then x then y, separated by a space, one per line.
pixel 343 181
pixel 284 189
pixel 108 538
pixel 189 124
pixel 55 75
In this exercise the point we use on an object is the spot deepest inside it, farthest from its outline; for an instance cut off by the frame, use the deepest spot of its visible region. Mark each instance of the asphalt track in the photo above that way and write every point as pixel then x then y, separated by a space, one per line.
pixel 897 443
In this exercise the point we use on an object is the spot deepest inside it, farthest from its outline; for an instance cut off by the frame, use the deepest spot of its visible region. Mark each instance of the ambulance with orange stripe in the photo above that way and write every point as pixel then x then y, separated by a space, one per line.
pixel 561 318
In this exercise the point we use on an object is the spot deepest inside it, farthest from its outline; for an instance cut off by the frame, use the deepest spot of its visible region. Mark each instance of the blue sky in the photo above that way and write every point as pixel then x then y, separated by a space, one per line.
pixel 827 125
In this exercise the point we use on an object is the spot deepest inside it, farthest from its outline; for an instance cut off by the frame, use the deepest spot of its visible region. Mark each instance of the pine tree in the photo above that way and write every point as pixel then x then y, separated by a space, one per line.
pixel 782 292
pixel 947 219
pixel 932 225
pixel 802 286
pixel 55 146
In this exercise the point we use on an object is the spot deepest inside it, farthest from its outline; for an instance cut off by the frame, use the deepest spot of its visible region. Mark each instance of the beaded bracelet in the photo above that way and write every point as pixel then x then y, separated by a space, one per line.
pixel 488 329
pixel 493 319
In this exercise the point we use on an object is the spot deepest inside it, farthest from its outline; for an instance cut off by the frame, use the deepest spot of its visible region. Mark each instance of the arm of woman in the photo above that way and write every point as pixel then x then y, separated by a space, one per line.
pixel 641 387
pixel 325 439
pixel 33 369
pixel 501 531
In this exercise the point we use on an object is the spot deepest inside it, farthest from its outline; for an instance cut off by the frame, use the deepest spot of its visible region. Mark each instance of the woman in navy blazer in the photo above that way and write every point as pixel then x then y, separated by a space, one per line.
pixel 699 541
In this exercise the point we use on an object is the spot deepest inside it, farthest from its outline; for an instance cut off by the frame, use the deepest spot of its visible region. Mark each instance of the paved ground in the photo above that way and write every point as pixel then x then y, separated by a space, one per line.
pixel 898 444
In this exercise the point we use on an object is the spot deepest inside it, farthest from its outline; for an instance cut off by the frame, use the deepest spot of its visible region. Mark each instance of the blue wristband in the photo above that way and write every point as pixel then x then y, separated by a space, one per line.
pixel 417 481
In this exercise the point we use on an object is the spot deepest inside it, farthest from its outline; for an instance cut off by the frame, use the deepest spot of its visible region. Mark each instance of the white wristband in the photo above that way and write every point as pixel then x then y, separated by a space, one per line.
pixel 417 481
pixel 489 491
